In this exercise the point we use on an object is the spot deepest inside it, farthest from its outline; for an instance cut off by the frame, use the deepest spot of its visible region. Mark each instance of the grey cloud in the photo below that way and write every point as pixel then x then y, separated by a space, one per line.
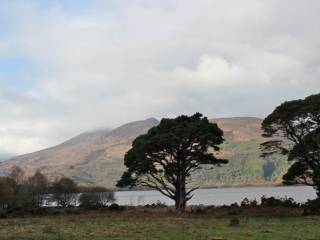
pixel 159 58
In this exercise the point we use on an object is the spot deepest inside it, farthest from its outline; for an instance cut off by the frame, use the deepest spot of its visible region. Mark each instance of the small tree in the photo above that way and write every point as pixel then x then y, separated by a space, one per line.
pixel 89 200
pixel 7 189
pixel 96 197
pixel 21 196
pixel 38 186
pixel 165 157
pixel 294 129
pixel 105 196
pixel 65 192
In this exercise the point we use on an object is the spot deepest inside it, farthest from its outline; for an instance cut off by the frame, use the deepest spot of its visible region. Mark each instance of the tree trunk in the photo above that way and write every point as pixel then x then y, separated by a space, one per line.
pixel 180 201
pixel 180 204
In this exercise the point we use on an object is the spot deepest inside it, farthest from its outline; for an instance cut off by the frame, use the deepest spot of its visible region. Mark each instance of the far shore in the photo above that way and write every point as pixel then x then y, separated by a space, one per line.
pixel 217 187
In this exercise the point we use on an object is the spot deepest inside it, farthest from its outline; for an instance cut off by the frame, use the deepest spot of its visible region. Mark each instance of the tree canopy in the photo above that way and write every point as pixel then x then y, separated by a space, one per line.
pixel 294 129
pixel 165 157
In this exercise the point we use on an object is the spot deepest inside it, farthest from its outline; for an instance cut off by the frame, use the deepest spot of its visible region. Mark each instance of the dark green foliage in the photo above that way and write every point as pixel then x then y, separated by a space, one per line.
pixel 159 204
pixel 248 203
pixel 294 127
pixel 116 207
pixel 165 157
pixel 312 207
pixel 277 202
pixel 270 202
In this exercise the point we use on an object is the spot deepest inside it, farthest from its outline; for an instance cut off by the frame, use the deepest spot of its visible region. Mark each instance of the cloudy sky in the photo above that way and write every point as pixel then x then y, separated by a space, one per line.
pixel 70 66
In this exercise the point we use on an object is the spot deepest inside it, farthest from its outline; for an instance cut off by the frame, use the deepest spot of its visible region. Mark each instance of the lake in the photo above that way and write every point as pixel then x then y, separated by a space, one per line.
pixel 218 196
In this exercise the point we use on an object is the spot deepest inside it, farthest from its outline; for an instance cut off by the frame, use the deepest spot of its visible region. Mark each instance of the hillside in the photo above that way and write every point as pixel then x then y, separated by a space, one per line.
pixel 97 156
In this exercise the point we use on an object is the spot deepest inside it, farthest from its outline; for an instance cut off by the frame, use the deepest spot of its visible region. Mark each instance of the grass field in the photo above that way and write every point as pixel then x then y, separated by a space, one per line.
pixel 153 225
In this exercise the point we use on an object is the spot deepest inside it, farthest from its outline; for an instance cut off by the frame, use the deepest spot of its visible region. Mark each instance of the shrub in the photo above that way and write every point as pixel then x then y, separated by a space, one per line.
pixel 96 197
pixel 65 192
pixel 247 203
pixel 89 200
pixel 3 214
pixel 105 197
pixel 275 202
pixel 159 204
pixel 116 207
pixel 234 205
pixel 312 207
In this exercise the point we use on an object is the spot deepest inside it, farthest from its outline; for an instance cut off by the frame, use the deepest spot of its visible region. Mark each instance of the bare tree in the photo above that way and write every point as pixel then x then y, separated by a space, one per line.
pixel 38 187
pixel 65 192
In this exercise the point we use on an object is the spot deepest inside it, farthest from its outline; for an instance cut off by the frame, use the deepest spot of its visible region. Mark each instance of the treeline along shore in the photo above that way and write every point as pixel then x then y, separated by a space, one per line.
pixel 18 192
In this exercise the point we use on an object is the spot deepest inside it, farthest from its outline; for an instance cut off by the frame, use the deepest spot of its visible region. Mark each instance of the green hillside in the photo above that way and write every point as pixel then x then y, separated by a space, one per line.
pixel 245 167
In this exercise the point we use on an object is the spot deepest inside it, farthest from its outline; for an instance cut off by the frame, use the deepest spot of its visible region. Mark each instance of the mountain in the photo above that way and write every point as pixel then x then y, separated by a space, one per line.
pixel 97 156
pixel 240 129
pixel 91 157
pixel 242 149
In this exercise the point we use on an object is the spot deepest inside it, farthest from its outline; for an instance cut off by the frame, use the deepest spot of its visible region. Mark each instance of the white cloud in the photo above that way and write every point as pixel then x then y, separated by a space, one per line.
pixel 162 58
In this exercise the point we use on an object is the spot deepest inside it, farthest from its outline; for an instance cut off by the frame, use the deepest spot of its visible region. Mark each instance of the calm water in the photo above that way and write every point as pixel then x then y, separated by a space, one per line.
pixel 218 196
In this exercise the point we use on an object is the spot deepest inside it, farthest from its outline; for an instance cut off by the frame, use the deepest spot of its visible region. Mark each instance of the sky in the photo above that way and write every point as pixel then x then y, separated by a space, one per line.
pixel 70 66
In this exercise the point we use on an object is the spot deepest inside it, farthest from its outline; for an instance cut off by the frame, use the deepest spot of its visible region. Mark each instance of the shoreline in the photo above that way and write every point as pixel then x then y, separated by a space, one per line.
pixel 222 187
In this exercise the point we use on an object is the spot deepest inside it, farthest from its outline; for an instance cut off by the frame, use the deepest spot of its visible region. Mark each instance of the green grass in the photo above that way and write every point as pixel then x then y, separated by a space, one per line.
pixel 98 226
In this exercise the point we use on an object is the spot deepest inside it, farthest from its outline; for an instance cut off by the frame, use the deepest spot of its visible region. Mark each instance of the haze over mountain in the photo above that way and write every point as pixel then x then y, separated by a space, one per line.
pixel 96 157
pixel 5 156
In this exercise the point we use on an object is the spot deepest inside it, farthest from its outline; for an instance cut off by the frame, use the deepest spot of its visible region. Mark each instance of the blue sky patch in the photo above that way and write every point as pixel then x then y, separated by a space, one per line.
pixel 80 7
pixel 16 73
pixel 14 66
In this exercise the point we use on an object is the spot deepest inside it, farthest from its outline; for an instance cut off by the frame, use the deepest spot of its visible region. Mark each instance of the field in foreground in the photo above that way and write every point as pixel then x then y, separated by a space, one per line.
pixel 124 225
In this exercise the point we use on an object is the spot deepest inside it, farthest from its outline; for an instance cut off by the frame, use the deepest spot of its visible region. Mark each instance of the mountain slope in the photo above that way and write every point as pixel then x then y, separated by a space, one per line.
pixel 92 157
pixel 240 129
pixel 97 157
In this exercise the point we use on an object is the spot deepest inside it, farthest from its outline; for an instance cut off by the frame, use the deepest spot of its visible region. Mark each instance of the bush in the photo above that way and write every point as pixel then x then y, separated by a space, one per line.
pixel 312 207
pixel 236 205
pixel 3 214
pixel 65 192
pixel 96 197
pixel 116 207
pixel 276 202
pixel 159 204
pixel 105 197
pixel 89 200
pixel 247 203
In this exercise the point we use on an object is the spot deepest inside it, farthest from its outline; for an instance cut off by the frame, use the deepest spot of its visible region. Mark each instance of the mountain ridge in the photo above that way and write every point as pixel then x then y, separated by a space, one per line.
pixel 96 157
